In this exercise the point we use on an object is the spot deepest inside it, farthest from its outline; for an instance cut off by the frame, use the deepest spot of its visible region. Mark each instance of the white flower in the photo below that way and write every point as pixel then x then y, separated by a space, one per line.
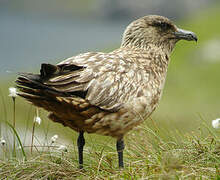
pixel 12 92
pixel 216 123
pixel 62 148
pixel 37 119
pixel 2 142
pixel 54 138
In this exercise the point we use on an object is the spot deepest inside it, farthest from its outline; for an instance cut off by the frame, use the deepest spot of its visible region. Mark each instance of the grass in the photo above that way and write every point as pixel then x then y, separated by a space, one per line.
pixel 148 154
pixel 177 142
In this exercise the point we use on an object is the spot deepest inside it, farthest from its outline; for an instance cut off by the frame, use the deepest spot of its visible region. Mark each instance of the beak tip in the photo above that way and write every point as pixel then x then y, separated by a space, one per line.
pixel 194 37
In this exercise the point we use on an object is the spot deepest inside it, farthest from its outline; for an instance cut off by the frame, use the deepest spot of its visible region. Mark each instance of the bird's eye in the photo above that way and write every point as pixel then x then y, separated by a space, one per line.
pixel 163 25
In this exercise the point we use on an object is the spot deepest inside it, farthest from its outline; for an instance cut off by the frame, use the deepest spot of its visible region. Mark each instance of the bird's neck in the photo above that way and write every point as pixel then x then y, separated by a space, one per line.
pixel 144 45
pixel 151 57
pixel 149 54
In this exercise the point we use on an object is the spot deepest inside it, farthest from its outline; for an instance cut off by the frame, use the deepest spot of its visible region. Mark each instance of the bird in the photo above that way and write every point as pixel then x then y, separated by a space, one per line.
pixel 108 93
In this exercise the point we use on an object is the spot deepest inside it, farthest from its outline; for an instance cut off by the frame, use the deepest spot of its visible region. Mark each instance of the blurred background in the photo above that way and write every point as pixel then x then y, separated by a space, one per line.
pixel 34 32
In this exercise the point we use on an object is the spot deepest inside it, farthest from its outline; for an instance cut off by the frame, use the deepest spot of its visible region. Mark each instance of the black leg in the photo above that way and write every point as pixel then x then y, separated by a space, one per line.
pixel 80 144
pixel 120 147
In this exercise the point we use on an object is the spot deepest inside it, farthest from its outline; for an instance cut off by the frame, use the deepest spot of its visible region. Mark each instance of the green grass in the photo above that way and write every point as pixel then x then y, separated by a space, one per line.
pixel 150 152
pixel 177 142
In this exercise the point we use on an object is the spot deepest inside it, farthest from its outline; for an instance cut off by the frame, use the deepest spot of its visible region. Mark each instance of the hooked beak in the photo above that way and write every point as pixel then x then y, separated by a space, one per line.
pixel 187 35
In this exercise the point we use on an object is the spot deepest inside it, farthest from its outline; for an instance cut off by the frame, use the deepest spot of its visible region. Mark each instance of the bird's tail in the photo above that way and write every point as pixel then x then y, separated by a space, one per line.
pixel 33 89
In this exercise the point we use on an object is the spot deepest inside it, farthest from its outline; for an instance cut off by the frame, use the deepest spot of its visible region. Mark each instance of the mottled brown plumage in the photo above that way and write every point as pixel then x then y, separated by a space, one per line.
pixel 108 93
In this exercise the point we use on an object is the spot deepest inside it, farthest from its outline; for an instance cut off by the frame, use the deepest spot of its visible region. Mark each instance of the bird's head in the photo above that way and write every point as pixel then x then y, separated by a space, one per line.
pixel 156 31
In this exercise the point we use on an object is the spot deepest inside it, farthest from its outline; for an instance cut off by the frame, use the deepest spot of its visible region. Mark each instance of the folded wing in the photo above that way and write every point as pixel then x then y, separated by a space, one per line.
pixel 104 80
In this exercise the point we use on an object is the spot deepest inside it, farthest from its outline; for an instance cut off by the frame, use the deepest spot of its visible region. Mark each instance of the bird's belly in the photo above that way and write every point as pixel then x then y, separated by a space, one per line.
pixel 115 124
pixel 119 123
